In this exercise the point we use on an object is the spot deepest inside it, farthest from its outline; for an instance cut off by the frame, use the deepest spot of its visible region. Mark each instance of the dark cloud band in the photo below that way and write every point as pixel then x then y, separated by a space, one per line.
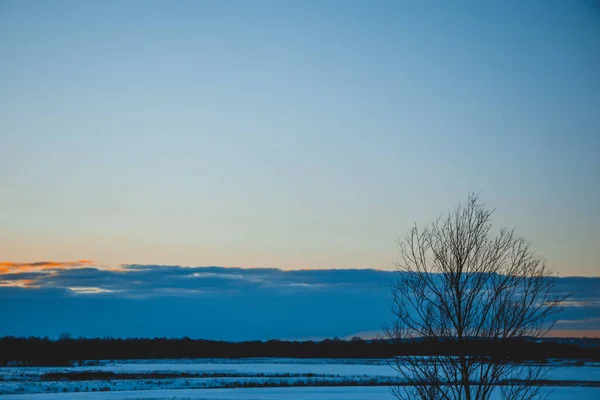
pixel 223 303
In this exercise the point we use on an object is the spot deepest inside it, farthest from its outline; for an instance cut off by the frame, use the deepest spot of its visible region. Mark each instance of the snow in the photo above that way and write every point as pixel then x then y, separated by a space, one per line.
pixel 346 367
pixel 24 382
pixel 322 393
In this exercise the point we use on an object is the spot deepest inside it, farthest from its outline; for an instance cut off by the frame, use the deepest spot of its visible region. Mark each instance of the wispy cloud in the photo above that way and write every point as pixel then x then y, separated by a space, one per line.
pixel 7 267
pixel 18 283
pixel 587 321
pixel 159 280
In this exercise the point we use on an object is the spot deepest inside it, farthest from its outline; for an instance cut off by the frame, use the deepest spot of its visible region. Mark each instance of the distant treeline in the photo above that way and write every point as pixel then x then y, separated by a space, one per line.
pixel 68 351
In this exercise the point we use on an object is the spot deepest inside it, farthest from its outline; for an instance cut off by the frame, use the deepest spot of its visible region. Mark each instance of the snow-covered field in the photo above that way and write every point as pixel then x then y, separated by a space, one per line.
pixel 321 393
pixel 233 379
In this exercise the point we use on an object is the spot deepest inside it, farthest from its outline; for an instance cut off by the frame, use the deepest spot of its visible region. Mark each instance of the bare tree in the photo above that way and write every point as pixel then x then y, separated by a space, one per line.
pixel 461 282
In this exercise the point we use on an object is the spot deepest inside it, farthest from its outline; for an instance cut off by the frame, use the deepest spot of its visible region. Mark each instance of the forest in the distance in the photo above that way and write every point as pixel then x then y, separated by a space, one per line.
pixel 69 351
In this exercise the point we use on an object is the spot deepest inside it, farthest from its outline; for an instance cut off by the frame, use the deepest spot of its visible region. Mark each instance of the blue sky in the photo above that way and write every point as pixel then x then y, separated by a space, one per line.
pixel 293 134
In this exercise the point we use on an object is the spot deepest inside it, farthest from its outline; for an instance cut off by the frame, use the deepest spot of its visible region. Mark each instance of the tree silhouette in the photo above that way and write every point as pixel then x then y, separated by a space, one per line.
pixel 461 282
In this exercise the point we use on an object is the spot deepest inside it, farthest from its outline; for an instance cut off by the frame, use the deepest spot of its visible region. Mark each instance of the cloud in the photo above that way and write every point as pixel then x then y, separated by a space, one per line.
pixel 46 263
pixel 7 267
pixel 9 277
pixel 157 280
pixel 218 302
pixel 581 321
pixel 19 283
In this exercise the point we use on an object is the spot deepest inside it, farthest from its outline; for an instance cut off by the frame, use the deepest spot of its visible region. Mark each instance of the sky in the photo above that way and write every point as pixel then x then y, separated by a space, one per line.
pixel 303 134
pixel 288 135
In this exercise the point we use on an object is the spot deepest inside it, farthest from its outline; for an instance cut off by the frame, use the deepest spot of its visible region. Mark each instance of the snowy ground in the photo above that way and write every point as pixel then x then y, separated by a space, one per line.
pixel 206 377
pixel 325 393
